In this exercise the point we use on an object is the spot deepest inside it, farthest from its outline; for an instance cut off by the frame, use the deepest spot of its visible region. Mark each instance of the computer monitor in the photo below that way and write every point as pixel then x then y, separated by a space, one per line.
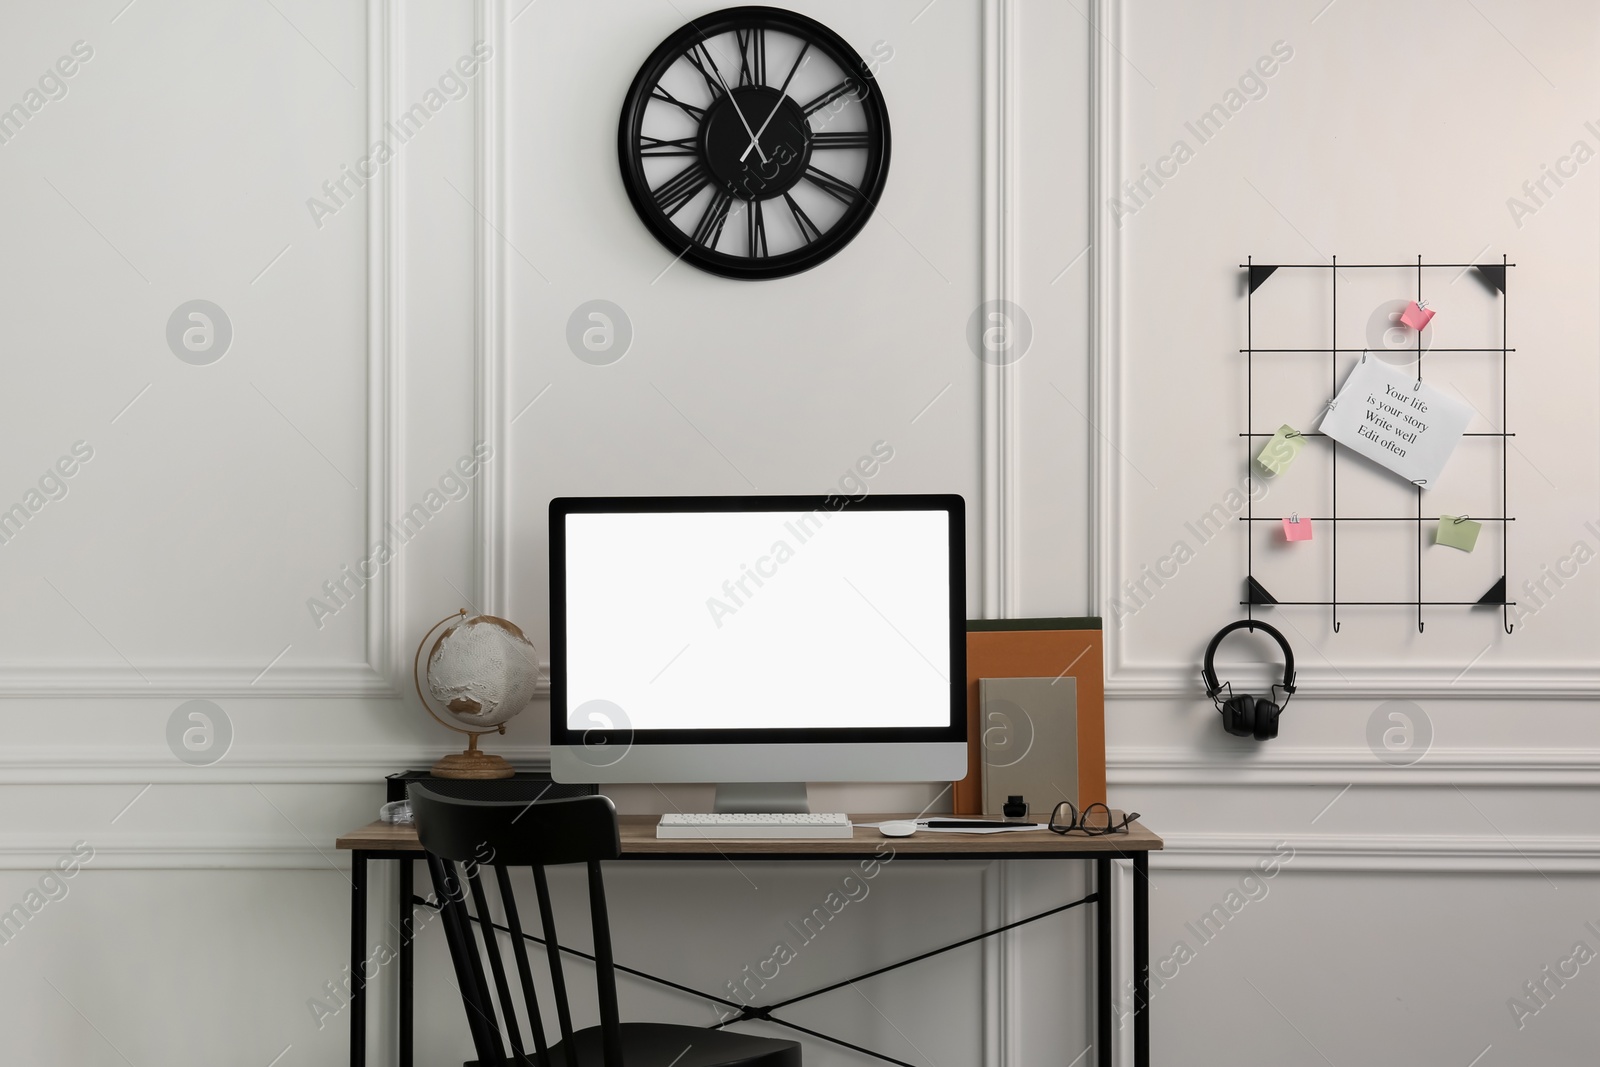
pixel 758 642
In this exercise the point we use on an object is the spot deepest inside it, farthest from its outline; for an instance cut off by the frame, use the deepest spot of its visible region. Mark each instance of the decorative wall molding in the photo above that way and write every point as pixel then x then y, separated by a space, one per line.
pixel 1128 767
pixel 1440 769
pixel 1385 853
pixel 1105 299
pixel 1555 682
pixel 1002 1022
pixel 489 423
pixel 173 851
pixel 992 970
pixel 1121 954
pixel 384 409
pixel 363 765
pixel 998 385
pixel 385 338
pixel 215 682
pixel 1002 974
pixel 1533 856
pixel 1125 678
pixel 1486 768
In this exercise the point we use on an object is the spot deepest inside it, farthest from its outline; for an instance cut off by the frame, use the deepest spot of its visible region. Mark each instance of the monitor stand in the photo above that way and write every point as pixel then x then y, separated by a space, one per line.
pixel 761 798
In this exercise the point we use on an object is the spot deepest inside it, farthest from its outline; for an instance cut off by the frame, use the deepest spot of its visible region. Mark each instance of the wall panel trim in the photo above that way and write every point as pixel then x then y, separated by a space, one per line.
pixel 489 421
pixel 384 414
pixel 1536 857
pixel 1439 769
pixel 303 764
pixel 1107 378
pixel 1001 161
pixel 1128 766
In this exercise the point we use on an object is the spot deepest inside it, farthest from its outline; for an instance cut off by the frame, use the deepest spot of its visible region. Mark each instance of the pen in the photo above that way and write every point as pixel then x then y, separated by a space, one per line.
pixel 964 824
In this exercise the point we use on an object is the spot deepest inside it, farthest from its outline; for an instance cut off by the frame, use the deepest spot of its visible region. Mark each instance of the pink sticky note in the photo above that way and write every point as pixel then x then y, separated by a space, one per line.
pixel 1296 528
pixel 1416 316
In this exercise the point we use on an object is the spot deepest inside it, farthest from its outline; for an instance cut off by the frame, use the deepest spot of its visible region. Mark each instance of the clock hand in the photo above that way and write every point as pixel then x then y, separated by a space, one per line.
pixel 755 141
pixel 744 121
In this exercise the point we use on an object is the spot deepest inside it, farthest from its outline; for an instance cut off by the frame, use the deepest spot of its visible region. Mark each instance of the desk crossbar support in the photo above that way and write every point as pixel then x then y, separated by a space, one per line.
pixel 763 1013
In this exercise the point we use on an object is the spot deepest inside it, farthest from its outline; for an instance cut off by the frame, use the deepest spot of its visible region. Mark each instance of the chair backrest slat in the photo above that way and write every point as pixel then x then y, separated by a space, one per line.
pixel 504 834
pixel 463 954
pixel 552 945
pixel 519 949
pixel 491 949
pixel 605 970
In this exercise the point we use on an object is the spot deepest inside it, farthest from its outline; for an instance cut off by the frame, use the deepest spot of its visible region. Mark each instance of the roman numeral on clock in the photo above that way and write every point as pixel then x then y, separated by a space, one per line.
pixel 752 56
pixel 696 113
pixel 837 188
pixel 655 146
pixel 756 224
pixel 849 85
pixel 808 229
pixel 702 61
pixel 854 139
pixel 681 188
pixel 709 230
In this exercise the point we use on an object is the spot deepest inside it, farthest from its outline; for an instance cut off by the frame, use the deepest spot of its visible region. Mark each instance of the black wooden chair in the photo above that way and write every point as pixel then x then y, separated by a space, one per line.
pixel 500 835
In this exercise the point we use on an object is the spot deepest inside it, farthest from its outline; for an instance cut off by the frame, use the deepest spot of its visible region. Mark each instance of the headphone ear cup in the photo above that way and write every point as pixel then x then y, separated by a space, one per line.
pixel 1238 716
pixel 1266 720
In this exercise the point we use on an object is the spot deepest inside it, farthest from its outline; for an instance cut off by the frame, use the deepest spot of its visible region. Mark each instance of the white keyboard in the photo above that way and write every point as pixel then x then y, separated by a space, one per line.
pixel 755 827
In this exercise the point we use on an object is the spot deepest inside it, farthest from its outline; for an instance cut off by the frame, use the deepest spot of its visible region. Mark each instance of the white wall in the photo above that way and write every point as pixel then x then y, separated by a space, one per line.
pixel 1420 898
pixel 371 351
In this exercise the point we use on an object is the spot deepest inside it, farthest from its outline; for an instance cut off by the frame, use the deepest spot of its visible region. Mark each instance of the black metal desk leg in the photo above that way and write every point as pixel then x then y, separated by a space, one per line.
pixel 407 933
pixel 358 958
pixel 1103 1006
pixel 1141 959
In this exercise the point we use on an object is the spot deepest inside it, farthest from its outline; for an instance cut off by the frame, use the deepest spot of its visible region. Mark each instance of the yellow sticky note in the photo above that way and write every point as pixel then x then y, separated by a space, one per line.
pixel 1458 531
pixel 1281 450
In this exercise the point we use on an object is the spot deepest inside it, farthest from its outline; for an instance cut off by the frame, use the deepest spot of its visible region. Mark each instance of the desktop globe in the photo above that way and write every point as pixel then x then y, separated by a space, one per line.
pixel 481 672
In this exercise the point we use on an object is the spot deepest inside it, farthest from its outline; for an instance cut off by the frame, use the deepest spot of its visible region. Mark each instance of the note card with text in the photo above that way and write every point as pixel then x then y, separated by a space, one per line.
pixel 1396 420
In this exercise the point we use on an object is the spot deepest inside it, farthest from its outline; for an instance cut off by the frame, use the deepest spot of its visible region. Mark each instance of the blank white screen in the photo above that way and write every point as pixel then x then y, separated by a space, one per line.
pixel 765 619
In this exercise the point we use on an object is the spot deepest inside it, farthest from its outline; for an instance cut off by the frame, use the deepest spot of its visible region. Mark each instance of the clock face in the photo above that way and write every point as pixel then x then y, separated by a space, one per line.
pixel 754 142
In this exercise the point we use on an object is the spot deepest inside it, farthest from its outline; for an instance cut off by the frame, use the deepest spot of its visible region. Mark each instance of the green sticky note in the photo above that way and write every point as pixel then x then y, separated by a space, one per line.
pixel 1281 450
pixel 1458 531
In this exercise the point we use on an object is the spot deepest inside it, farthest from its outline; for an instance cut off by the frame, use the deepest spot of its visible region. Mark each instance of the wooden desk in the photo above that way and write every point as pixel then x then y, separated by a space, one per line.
pixel 639 841
pixel 378 840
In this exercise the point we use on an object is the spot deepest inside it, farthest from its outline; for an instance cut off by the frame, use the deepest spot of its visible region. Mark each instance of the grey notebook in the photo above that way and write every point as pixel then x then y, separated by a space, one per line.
pixel 1030 742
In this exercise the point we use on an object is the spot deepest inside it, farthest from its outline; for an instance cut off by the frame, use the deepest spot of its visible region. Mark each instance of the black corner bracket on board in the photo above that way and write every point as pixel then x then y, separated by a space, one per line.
pixel 1256 593
pixel 1259 275
pixel 1493 273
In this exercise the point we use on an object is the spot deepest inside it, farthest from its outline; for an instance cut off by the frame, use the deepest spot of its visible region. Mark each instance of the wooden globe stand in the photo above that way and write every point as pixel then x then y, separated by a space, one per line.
pixel 474 763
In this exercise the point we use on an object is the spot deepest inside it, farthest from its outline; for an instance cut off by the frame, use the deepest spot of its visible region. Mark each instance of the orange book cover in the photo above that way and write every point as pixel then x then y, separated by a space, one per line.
pixel 1038 648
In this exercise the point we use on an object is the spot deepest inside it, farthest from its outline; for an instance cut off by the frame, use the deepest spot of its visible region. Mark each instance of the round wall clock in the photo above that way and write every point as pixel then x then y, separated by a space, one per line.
pixel 754 142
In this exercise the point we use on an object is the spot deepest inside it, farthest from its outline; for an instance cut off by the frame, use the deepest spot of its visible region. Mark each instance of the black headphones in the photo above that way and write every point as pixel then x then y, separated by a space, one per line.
pixel 1245 715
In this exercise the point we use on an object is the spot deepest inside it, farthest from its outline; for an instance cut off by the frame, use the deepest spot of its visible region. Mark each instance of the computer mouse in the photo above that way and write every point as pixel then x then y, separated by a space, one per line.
pixel 898 829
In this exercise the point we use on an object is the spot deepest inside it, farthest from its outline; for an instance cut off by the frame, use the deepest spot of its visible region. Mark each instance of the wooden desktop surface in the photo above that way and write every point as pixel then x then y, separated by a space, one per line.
pixel 639 840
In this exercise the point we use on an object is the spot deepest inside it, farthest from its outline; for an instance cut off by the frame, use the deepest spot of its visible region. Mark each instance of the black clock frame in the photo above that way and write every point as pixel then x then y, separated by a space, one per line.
pixel 681 43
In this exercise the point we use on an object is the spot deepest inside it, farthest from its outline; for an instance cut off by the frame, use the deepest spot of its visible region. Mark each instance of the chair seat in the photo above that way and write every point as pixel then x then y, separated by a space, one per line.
pixel 667 1045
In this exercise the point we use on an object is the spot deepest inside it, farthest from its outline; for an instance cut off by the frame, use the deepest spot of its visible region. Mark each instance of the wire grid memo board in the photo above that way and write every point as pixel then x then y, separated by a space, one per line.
pixel 1493 277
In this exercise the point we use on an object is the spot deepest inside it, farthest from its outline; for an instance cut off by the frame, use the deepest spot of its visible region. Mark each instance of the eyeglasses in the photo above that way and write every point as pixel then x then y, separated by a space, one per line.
pixel 1094 820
